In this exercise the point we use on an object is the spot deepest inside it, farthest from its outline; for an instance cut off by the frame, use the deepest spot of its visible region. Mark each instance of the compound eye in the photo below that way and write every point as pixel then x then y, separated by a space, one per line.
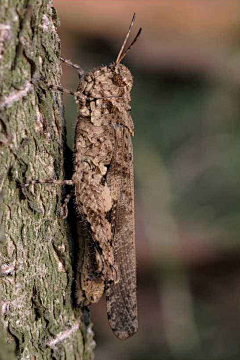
pixel 118 80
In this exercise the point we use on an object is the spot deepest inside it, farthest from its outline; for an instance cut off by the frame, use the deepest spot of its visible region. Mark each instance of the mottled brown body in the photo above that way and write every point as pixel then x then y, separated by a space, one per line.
pixel 105 194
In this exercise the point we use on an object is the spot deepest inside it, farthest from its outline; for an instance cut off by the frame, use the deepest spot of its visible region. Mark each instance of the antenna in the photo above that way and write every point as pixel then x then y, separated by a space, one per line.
pixel 122 54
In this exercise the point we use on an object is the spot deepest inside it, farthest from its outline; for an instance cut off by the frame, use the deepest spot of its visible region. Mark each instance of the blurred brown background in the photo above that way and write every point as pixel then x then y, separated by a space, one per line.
pixel 186 109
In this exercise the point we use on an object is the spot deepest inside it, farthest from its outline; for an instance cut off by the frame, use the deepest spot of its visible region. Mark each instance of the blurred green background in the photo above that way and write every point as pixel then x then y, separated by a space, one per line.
pixel 186 109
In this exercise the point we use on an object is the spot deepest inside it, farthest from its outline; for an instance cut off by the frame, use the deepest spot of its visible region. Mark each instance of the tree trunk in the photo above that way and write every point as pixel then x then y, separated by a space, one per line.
pixel 37 314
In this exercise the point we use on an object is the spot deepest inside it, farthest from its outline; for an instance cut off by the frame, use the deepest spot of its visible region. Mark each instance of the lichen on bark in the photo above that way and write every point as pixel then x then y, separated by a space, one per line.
pixel 37 312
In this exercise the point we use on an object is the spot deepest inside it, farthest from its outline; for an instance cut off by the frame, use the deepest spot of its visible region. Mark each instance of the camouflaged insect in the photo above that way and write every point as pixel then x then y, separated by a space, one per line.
pixel 104 192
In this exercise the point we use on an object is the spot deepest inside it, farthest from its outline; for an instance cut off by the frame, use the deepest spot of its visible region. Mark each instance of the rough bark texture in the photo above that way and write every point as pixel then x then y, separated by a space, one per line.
pixel 36 281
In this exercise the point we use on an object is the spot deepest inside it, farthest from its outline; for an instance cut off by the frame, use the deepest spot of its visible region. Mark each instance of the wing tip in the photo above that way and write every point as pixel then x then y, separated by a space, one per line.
pixel 125 333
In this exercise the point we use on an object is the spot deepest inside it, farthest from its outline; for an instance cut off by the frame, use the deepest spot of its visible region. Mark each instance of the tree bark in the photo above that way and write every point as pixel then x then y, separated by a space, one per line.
pixel 37 313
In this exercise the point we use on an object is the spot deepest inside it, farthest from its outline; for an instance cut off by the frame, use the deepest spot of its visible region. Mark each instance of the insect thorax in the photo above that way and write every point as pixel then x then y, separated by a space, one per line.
pixel 104 96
